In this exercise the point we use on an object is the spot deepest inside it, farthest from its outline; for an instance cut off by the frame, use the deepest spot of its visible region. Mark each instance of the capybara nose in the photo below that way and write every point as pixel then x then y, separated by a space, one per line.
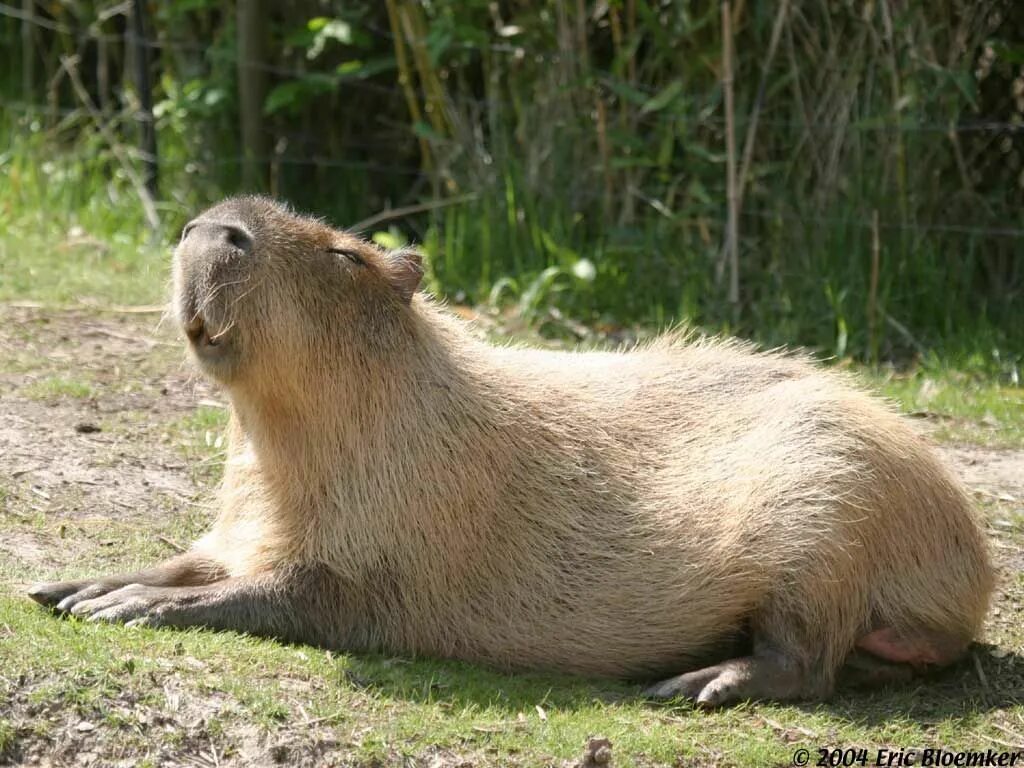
pixel 215 235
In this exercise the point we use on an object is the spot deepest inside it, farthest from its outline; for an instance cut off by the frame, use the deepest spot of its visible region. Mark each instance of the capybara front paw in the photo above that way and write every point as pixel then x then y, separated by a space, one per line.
pixel 135 603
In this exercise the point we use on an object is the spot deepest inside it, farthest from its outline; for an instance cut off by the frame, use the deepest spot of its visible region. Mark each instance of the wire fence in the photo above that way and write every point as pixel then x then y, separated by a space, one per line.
pixel 319 161
pixel 91 35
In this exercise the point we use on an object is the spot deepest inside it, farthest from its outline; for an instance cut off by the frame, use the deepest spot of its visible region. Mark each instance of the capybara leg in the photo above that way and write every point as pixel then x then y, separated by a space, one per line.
pixel 767 674
pixel 186 569
pixel 294 605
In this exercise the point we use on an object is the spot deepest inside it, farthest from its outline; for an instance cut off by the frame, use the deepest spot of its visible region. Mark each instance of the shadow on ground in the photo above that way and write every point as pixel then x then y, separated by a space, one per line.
pixel 980 683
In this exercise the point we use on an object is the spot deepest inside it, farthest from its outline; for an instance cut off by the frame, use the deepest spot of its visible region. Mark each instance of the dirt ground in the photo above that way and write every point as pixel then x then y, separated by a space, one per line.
pixel 98 425
pixel 90 404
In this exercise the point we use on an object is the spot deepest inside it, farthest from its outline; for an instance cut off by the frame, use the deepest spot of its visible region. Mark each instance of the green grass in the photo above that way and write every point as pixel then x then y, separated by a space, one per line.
pixel 72 234
pixel 53 387
pixel 201 438
pixel 205 422
pixel 40 268
pixel 385 708
pixel 963 407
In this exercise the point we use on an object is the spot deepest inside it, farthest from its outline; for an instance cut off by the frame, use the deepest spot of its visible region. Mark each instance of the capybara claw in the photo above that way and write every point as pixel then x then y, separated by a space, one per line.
pixel 41 593
pixel 50 593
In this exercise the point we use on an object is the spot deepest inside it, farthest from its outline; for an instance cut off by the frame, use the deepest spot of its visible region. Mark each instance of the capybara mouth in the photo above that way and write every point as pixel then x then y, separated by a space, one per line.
pixel 199 335
pixel 207 343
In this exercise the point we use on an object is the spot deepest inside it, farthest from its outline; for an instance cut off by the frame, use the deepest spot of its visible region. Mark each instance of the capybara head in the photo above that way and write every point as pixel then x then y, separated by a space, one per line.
pixel 260 288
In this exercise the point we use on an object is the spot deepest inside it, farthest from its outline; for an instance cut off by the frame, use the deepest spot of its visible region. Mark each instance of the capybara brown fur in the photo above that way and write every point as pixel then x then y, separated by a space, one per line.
pixel 395 483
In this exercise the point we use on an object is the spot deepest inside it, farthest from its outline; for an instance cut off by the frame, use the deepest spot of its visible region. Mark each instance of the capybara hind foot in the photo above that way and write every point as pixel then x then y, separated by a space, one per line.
pixel 765 675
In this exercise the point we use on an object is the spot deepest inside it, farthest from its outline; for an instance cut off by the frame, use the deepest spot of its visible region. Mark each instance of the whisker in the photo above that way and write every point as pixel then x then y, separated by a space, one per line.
pixel 217 289
pixel 246 293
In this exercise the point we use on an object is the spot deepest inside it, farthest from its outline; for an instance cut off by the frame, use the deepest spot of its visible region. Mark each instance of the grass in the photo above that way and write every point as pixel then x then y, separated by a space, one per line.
pixel 146 697
pixel 67 271
pixel 965 408
pixel 58 386
pixel 202 441
pixel 384 709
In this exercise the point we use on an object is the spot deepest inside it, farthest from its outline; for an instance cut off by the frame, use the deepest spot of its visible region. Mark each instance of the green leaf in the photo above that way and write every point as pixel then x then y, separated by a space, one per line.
pixel 967 85
pixel 626 92
pixel 535 293
pixel 327 29
pixel 359 68
pixel 505 284
pixel 566 255
pixel 423 130
pixel 295 93
pixel 390 238
pixel 666 96
pixel 353 67
pixel 1012 53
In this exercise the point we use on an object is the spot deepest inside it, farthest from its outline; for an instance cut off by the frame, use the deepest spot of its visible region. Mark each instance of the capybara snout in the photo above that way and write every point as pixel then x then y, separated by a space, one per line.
pixel 246 302
pixel 393 482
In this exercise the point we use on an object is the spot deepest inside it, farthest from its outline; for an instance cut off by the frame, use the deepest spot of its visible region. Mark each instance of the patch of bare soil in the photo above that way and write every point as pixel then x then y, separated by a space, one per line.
pixel 87 402
pixel 995 473
pixel 996 478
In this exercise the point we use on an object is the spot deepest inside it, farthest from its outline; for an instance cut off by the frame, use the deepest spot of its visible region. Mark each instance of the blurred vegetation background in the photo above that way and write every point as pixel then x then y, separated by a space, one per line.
pixel 574 162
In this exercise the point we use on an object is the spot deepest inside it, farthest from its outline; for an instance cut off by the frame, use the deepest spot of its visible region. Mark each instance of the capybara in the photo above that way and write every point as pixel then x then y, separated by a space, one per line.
pixel 746 521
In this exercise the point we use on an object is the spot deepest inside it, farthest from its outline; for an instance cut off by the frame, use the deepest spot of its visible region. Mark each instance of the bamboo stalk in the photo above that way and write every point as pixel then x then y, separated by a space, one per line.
pixel 732 230
pixel 413 25
pixel 103 74
pixel 748 147
pixel 876 249
pixel 894 73
pixel 405 79
pixel 605 152
pixel 28 75
pixel 251 24
pixel 581 36
pixel 621 39
pixel 144 88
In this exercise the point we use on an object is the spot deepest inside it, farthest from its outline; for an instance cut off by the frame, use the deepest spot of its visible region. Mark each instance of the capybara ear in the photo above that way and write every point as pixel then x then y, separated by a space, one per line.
pixel 404 270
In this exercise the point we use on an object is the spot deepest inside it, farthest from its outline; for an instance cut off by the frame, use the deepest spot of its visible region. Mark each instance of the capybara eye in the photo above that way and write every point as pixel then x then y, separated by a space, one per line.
pixel 352 256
